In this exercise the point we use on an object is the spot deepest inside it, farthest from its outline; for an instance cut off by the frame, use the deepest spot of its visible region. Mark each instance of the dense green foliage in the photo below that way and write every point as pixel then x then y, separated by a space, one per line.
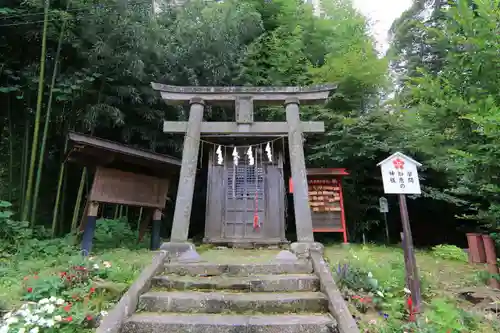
pixel 449 100
pixel 111 52
pixel 103 57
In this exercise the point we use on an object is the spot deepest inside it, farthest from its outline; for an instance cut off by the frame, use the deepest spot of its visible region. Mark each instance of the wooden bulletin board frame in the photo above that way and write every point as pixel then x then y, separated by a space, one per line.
pixel 325 190
pixel 127 188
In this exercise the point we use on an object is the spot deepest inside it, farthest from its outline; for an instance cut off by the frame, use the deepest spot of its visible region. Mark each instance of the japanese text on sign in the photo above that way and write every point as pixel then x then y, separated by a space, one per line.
pixel 400 175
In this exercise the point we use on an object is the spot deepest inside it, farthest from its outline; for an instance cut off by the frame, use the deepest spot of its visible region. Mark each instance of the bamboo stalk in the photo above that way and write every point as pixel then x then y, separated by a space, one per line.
pixel 62 213
pixel 58 199
pixel 76 211
pixel 47 117
pixel 11 149
pixel 139 219
pixel 117 207
pixel 55 212
pixel 36 129
pixel 24 167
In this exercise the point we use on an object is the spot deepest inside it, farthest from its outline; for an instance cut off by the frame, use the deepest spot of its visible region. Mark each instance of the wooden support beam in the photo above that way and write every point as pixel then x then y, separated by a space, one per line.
pixel 274 127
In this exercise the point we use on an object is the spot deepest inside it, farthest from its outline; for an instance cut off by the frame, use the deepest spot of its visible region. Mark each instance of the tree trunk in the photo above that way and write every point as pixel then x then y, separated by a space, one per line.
pixel 139 219
pixel 24 161
pixel 47 118
pixel 76 211
pixel 25 214
pixel 55 212
pixel 11 150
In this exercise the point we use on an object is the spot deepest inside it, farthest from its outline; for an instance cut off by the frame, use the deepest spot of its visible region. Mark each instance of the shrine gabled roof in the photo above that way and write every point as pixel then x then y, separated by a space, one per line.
pixel 400 155
pixel 92 151
pixel 219 95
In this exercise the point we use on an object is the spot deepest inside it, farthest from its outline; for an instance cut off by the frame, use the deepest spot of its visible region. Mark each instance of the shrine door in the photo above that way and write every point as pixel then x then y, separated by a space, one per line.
pixel 245 206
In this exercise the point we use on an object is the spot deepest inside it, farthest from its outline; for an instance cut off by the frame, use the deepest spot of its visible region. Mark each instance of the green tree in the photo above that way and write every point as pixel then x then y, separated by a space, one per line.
pixel 453 113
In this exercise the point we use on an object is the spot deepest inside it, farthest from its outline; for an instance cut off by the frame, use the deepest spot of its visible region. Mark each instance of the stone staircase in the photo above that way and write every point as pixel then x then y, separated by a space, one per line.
pixel 205 297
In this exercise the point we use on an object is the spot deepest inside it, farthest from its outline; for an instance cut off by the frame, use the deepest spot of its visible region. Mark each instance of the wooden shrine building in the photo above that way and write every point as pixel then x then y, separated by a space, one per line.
pixel 246 185
pixel 123 175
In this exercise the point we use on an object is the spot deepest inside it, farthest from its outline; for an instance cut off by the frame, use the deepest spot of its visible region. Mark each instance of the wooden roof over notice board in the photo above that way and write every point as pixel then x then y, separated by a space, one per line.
pixel 91 151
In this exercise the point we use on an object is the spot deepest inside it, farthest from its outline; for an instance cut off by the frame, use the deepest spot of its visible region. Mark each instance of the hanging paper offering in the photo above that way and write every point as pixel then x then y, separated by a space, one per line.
pixel 236 157
pixel 268 152
pixel 250 156
pixel 220 160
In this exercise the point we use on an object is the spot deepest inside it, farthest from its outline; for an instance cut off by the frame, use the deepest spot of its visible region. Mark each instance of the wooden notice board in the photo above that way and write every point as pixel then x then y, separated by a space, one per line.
pixel 326 200
pixel 127 188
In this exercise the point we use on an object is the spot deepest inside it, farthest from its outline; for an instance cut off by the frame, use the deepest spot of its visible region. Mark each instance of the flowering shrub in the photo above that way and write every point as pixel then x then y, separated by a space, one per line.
pixel 74 283
pixel 48 315
pixel 68 301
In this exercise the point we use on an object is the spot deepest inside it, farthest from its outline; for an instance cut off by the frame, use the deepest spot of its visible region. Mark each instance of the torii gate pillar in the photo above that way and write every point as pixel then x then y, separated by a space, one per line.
pixel 244 99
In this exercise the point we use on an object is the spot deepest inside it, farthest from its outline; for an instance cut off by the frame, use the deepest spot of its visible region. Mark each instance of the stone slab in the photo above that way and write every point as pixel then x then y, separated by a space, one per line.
pixel 210 269
pixel 286 256
pixel 179 323
pixel 239 256
pixel 256 283
pixel 303 249
pixel 336 303
pixel 223 302
pixel 175 249
pixel 189 256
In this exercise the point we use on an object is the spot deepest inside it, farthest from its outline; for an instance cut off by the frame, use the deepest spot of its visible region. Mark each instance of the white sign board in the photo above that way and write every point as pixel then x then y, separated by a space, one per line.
pixel 400 174
pixel 383 205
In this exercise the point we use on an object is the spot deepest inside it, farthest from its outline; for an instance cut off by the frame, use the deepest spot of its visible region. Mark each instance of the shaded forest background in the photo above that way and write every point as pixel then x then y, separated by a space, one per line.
pixel 434 95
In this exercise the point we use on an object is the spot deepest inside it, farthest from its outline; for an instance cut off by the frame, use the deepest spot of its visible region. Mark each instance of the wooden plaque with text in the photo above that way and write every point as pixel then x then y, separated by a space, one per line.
pixel 127 188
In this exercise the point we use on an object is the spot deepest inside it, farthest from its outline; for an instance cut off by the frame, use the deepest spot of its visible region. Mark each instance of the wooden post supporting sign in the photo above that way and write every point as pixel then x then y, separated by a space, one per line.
pixel 400 176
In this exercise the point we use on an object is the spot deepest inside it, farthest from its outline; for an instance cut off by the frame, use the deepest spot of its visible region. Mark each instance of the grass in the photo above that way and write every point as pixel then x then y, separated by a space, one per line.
pixel 127 265
pixel 387 264
pixel 442 280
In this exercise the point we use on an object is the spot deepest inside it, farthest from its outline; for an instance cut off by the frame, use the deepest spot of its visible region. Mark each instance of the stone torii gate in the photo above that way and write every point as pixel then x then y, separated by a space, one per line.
pixel 243 99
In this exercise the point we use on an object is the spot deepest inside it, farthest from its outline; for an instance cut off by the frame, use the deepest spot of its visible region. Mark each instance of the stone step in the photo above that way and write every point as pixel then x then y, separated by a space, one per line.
pixel 181 323
pixel 210 269
pixel 223 302
pixel 256 283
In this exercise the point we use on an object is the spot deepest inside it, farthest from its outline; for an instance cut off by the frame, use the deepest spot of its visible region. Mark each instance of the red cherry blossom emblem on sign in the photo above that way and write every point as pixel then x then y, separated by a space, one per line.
pixel 398 163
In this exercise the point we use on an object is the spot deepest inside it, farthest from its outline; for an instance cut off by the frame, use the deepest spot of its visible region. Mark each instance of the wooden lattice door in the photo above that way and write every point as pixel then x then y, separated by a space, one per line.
pixel 244 201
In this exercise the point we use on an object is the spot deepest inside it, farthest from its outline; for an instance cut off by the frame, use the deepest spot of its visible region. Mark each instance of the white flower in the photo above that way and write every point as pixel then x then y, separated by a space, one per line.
pixel 57 318
pixel 407 291
pixel 43 301
pixel 52 299
pixel 11 320
pixel 96 266
pixel 4 329
pixel 7 315
pixel 49 323
pixel 107 264
pixel 370 275
pixel 91 258
pixel 59 301
pixel 34 330
pixel 50 308
pixel 21 330
pixel 104 313
pixel 380 293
